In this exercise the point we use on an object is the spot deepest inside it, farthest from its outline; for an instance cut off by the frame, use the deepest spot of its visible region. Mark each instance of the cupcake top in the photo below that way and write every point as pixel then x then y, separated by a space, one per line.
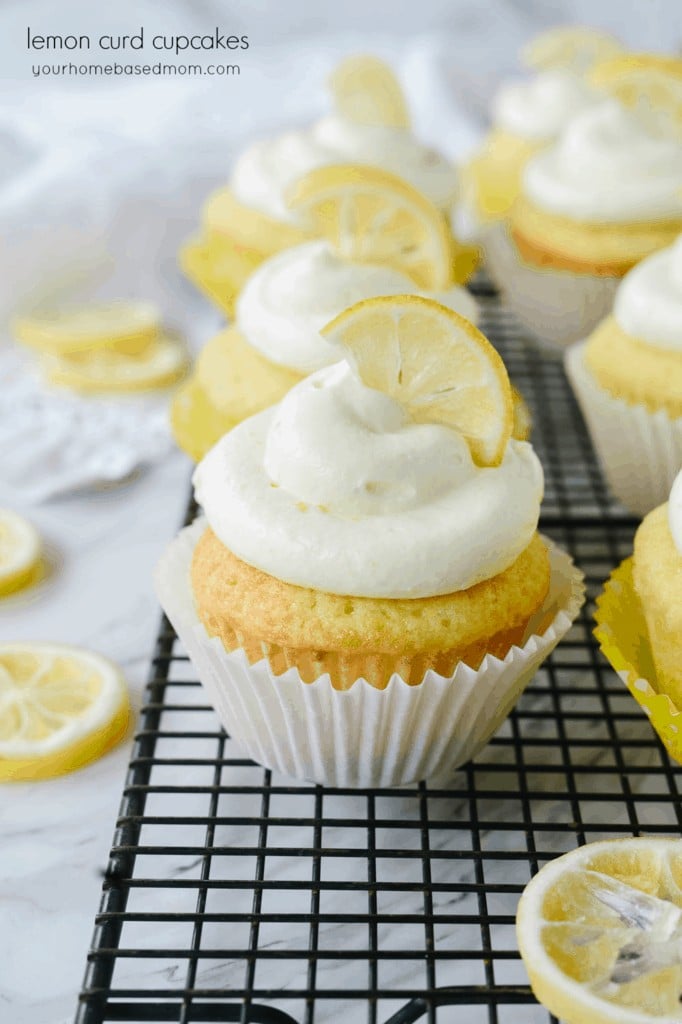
pixel 266 169
pixel 610 165
pixel 345 489
pixel 675 512
pixel 291 296
pixel 648 303
pixel 538 109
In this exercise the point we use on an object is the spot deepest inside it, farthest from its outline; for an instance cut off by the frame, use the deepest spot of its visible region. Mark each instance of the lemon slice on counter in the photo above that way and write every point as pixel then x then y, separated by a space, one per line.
pixel 160 364
pixel 366 91
pixel 569 47
pixel 600 933
pixel 60 708
pixel 647 80
pixel 122 326
pixel 20 552
pixel 371 216
pixel 435 363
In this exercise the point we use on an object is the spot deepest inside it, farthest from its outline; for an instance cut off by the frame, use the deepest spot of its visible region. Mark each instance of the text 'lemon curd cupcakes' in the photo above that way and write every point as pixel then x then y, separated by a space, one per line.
pixel 627 377
pixel 250 219
pixel 383 238
pixel 367 594
pixel 639 619
pixel 607 195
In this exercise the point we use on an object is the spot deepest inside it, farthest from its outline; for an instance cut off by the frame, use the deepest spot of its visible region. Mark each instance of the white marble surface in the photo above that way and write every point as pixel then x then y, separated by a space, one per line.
pixel 131 155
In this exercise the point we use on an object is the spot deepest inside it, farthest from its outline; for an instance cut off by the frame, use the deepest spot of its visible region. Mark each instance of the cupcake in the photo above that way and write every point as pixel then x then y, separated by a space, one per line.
pixel 367 594
pixel 605 196
pixel 627 377
pixel 249 220
pixel 384 238
pixel 639 619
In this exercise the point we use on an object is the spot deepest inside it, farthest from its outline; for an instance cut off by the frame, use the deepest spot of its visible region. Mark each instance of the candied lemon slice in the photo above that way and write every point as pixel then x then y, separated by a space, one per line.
pixel 122 326
pixel 646 81
pixel 60 708
pixel 160 364
pixel 435 363
pixel 20 552
pixel 371 216
pixel 600 933
pixel 366 91
pixel 569 47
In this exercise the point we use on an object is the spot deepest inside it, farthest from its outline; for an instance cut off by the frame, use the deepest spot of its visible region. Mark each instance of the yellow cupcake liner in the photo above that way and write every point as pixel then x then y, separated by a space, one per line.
pixel 624 640
pixel 220 276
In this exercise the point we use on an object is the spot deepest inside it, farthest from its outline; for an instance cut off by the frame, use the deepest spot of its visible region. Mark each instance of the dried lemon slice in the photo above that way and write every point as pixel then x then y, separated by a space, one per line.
pixel 644 80
pixel 60 708
pixel 569 47
pixel 371 216
pixel 600 933
pixel 160 364
pixel 20 552
pixel 366 91
pixel 122 326
pixel 435 363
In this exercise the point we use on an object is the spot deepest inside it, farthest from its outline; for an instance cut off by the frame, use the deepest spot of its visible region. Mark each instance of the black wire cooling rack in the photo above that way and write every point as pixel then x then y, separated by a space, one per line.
pixel 234 894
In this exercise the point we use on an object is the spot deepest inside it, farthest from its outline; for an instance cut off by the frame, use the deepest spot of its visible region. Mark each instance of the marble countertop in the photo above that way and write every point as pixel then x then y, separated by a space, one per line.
pixel 56 834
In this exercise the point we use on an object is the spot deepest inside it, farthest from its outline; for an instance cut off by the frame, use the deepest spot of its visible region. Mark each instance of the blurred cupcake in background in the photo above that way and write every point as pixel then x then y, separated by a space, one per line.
pixel 528 115
pixel 627 377
pixel 605 196
pixel 249 220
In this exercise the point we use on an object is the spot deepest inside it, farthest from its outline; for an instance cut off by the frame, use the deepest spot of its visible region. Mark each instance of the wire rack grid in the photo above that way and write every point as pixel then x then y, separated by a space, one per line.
pixel 233 894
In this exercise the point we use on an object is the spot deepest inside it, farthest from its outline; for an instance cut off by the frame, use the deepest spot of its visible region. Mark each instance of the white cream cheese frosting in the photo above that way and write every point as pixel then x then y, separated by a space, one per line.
pixel 293 295
pixel 675 512
pixel 648 303
pixel 337 490
pixel 539 108
pixel 610 165
pixel 266 169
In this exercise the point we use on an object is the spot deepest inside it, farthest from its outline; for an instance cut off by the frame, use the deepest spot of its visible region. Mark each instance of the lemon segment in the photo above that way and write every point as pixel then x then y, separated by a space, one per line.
pixel 366 91
pixel 600 933
pixel 371 216
pixel 60 708
pixel 569 47
pixel 646 81
pixel 20 553
pixel 125 327
pixel 435 363
pixel 160 364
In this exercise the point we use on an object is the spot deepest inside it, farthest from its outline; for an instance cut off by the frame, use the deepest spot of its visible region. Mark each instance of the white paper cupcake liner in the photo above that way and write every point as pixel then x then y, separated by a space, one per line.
pixel 557 307
pixel 361 737
pixel 640 451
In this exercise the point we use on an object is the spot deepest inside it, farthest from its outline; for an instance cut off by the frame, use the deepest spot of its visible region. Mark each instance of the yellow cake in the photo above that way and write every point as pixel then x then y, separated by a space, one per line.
pixel 657 575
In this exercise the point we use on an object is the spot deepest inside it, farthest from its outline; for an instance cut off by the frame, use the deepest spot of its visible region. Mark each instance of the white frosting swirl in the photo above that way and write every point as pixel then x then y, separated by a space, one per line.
pixel 266 169
pixel 335 489
pixel 293 295
pixel 675 512
pixel 538 109
pixel 648 303
pixel 610 165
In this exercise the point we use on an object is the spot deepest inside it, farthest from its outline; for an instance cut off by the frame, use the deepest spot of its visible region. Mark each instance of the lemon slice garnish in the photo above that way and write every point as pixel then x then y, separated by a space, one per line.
pixel 600 933
pixel 20 552
pixel 371 216
pixel 366 91
pixel 435 363
pixel 122 326
pixel 569 47
pixel 60 708
pixel 158 365
pixel 646 81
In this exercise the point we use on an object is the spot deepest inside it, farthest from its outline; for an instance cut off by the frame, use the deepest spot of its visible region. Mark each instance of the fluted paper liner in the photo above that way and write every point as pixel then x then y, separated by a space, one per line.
pixel 557 306
pixel 362 736
pixel 624 640
pixel 640 451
